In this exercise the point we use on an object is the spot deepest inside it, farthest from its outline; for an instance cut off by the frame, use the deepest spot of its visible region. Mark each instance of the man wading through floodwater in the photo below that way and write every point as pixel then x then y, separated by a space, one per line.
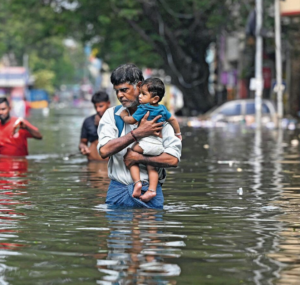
pixel 116 139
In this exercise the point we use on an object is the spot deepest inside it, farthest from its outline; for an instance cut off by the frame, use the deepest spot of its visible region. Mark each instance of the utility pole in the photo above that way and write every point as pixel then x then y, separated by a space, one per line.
pixel 25 61
pixel 288 76
pixel 258 64
pixel 279 86
pixel 87 53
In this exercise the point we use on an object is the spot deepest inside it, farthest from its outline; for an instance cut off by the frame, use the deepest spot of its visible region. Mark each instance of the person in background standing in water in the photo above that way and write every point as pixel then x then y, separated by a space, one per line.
pixel 14 132
pixel 89 137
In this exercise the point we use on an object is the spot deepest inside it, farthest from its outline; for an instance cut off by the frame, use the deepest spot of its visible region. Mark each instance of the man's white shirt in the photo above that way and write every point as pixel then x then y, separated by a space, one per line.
pixel 107 131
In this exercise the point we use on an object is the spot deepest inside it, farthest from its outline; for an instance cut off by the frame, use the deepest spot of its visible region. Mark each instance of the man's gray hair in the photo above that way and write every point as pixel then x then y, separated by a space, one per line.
pixel 127 73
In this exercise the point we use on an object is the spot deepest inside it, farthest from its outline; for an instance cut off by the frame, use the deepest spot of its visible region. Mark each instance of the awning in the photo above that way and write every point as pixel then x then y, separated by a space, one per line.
pixel 13 77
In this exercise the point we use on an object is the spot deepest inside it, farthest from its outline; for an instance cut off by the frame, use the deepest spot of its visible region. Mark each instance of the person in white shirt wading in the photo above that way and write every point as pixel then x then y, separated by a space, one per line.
pixel 116 139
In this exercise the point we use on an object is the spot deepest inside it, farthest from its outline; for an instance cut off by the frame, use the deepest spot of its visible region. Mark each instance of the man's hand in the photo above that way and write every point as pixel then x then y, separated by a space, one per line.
pixel 132 157
pixel 21 124
pixel 148 128
pixel 84 149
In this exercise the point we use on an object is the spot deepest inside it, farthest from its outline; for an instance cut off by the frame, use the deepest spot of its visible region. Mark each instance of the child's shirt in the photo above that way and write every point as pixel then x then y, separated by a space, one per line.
pixel 154 111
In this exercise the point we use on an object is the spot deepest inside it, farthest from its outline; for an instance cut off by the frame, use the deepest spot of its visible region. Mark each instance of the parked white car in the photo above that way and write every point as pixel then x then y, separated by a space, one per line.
pixel 241 110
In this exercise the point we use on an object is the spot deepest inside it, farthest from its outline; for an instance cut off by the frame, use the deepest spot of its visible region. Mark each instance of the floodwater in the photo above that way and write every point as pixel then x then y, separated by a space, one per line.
pixel 56 229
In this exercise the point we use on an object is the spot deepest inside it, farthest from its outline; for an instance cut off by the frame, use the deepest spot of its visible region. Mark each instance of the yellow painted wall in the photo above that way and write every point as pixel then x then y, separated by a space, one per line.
pixel 38 104
pixel 290 7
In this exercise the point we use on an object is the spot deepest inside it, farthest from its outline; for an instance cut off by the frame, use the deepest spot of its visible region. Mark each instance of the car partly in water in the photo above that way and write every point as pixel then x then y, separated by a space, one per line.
pixel 235 111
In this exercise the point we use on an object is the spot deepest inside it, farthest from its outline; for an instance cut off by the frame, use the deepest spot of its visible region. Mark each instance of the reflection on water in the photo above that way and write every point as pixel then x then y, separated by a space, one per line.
pixel 56 229
pixel 12 183
pixel 97 174
pixel 138 249
pixel 288 245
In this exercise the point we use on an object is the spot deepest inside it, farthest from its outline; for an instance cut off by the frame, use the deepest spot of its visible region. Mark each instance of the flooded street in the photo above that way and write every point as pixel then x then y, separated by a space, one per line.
pixel 56 229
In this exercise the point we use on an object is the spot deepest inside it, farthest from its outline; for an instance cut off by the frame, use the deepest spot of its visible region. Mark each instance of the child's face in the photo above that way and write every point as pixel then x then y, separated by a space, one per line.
pixel 146 97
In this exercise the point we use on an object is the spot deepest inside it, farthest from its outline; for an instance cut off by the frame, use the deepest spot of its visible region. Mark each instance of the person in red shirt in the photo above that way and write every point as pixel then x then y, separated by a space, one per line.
pixel 14 132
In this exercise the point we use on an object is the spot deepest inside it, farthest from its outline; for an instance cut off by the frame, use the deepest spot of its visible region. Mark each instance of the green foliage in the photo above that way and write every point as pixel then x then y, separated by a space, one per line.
pixel 33 29
pixel 169 34
pixel 105 23
pixel 44 80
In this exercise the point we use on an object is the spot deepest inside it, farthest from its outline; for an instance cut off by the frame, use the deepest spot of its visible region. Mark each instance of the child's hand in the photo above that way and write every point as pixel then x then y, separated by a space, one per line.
pixel 179 136
pixel 123 114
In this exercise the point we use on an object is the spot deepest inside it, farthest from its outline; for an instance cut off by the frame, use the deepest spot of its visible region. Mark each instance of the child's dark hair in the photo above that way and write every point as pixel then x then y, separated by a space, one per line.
pixel 155 87
pixel 99 97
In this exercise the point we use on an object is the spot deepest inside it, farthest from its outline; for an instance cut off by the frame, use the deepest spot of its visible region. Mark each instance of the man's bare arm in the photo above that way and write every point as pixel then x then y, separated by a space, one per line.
pixel 146 128
pixel 22 124
pixel 116 145
pixel 164 160
pixel 34 132
pixel 83 146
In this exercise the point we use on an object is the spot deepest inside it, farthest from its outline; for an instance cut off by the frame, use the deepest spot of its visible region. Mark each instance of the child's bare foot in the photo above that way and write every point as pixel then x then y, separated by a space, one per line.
pixel 148 195
pixel 137 190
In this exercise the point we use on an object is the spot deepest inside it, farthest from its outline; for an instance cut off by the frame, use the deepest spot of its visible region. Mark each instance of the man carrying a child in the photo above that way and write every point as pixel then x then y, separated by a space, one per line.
pixel 127 80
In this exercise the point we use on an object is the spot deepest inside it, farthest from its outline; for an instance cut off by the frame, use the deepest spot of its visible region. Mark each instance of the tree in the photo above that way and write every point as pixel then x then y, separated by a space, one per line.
pixel 174 35
pixel 170 34
pixel 33 30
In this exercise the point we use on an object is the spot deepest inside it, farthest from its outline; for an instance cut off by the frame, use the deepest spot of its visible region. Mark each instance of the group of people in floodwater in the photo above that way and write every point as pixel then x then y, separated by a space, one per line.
pixel 139 138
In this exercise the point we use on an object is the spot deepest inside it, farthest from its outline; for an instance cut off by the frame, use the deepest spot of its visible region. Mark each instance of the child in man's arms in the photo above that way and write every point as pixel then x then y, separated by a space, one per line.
pixel 153 91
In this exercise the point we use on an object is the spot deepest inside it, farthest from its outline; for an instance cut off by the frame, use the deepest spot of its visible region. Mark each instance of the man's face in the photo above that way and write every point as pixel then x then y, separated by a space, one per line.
pixel 127 94
pixel 101 107
pixel 4 112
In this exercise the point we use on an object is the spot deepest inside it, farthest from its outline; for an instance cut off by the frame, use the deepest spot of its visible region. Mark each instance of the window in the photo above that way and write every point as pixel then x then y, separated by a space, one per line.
pixel 265 109
pixel 250 109
pixel 231 110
